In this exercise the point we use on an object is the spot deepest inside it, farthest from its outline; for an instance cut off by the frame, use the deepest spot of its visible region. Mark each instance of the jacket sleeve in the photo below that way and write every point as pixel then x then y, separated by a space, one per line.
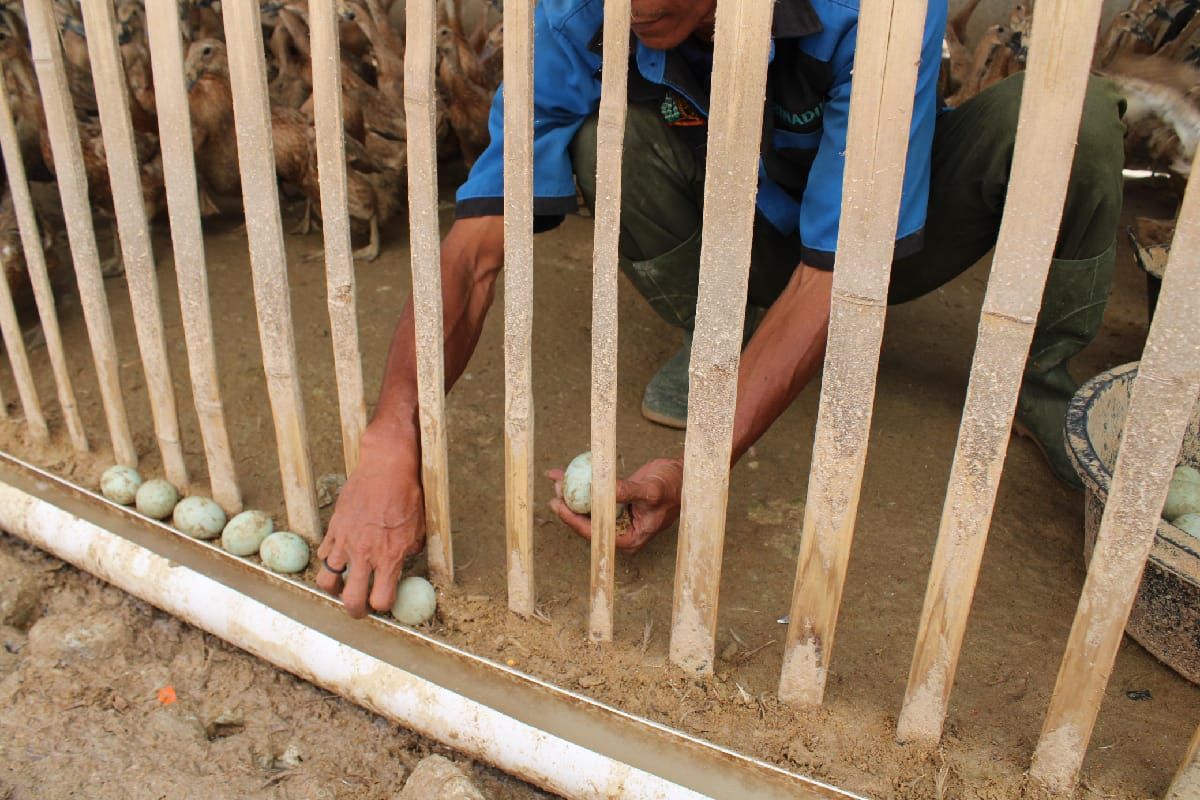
pixel 566 92
pixel 820 207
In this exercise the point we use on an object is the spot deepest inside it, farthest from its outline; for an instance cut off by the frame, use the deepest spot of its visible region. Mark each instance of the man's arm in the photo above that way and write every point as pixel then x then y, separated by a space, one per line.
pixel 784 354
pixel 380 516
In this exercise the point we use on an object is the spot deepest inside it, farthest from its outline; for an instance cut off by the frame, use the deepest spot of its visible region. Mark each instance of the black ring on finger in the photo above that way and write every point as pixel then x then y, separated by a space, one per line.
pixel 325 562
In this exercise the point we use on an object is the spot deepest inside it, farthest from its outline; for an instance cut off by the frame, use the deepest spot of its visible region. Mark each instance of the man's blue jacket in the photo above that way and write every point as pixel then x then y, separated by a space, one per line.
pixel 804 130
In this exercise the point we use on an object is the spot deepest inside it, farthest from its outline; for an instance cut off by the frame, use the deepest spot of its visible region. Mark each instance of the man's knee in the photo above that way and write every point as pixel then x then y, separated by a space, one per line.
pixel 1100 152
pixel 651 159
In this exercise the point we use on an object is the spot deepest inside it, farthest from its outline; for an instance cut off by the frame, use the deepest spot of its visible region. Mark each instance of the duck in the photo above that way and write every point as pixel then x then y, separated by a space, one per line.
pixel 468 105
pixel 1162 115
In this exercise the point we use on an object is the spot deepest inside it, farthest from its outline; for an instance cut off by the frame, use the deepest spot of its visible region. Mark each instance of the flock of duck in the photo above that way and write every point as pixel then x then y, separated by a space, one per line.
pixel 372 77
pixel 1151 49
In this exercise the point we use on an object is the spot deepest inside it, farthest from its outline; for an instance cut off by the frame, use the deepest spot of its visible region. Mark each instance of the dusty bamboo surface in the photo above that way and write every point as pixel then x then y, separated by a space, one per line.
pixel 1161 403
pixel 518 303
pixel 35 263
pixel 1186 785
pixel 420 108
pixel 187 240
pixel 610 140
pixel 124 175
pixel 741 45
pixel 268 262
pixel 77 211
pixel 881 103
pixel 14 345
pixel 335 225
pixel 1055 83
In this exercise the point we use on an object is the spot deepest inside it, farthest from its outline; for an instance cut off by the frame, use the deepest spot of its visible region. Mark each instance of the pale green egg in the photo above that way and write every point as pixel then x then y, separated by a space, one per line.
pixel 1183 497
pixel 577 484
pixel 415 601
pixel 244 534
pixel 120 483
pixel 284 551
pixel 1189 523
pixel 1183 472
pixel 156 498
pixel 199 517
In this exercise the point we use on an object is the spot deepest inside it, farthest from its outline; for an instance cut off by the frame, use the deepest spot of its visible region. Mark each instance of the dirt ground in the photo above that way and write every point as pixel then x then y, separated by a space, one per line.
pixel 1027 593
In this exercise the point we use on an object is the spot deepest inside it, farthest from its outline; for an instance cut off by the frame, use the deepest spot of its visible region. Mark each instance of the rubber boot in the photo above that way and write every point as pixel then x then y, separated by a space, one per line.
pixel 1072 310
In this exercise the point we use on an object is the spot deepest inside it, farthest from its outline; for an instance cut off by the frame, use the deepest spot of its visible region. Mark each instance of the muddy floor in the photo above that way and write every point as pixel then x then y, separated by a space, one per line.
pixel 103 696
pixel 1028 589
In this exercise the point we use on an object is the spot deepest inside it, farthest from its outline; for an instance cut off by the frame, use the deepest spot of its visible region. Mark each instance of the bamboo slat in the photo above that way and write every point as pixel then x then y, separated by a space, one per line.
pixel 124 177
pixel 35 263
pixel 881 104
pixel 187 241
pixel 607 232
pixel 420 106
pixel 1055 83
pixel 741 45
pixel 14 345
pixel 335 225
pixel 1186 785
pixel 1162 401
pixel 77 211
pixel 268 261
pixel 518 303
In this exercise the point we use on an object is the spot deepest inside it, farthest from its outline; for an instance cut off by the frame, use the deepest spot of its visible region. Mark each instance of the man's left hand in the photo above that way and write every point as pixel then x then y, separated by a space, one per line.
pixel 653 494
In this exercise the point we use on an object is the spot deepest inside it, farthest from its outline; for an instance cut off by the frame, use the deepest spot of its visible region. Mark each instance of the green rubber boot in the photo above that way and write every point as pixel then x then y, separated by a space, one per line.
pixel 1072 310
pixel 665 400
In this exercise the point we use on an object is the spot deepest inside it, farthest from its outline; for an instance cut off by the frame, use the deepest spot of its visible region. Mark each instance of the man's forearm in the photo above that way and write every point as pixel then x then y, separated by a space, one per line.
pixel 784 354
pixel 472 254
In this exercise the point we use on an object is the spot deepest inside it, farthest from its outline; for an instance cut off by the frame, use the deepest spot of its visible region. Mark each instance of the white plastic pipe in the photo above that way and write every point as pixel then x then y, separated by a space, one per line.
pixel 467 726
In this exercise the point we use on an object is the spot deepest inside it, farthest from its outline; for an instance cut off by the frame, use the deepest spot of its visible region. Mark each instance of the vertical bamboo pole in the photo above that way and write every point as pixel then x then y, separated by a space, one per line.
pixel 518 303
pixel 881 103
pixel 1055 83
pixel 268 261
pixel 335 224
pixel 124 175
pixel 77 211
pixel 420 107
pixel 14 345
pixel 187 239
pixel 1162 401
pixel 1186 785
pixel 743 31
pixel 35 262
pixel 610 140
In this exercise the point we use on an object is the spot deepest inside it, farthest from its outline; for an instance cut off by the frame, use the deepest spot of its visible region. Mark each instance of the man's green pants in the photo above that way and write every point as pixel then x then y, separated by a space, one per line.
pixel 663 190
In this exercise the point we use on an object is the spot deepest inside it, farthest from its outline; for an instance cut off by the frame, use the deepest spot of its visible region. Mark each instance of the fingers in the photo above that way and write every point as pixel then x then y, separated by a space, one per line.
pixel 580 524
pixel 383 593
pixel 354 596
pixel 637 491
pixel 330 552
pixel 556 475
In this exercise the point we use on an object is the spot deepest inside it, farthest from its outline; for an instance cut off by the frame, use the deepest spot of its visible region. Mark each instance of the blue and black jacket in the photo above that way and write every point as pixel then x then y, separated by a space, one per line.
pixel 804 132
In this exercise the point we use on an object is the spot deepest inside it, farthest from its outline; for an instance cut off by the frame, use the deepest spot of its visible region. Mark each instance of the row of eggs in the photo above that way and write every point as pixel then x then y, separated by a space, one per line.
pixel 248 533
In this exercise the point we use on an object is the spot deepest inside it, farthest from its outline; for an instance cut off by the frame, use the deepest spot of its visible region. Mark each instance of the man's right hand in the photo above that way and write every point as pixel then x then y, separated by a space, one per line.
pixel 379 521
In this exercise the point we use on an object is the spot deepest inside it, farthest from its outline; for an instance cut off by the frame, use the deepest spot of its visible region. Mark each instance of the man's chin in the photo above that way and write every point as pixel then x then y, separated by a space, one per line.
pixel 661 39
